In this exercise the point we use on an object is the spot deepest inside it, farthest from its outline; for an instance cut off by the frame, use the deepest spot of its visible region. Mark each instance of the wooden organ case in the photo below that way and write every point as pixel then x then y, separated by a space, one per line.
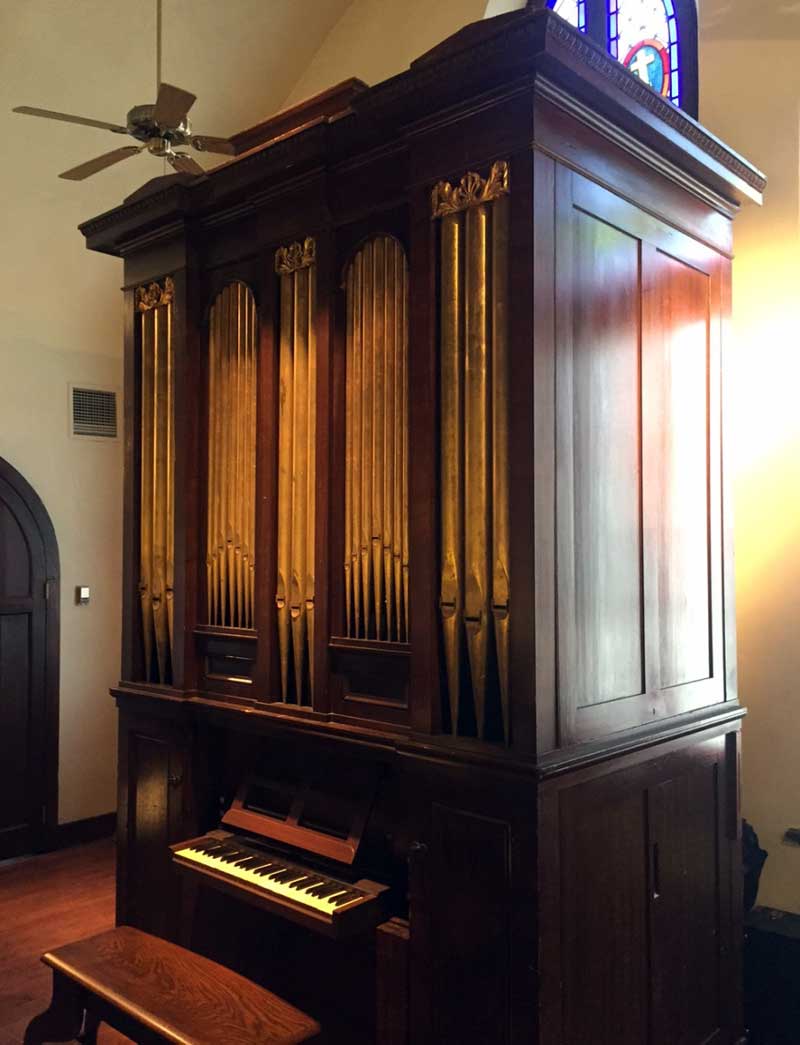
pixel 425 489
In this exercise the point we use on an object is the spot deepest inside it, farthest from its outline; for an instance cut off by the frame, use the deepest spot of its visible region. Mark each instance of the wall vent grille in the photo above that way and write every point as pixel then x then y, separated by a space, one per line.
pixel 94 413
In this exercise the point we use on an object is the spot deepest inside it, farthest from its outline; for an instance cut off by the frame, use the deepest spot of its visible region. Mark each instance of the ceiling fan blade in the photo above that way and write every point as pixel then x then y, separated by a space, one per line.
pixel 181 162
pixel 48 114
pixel 84 170
pixel 172 105
pixel 208 143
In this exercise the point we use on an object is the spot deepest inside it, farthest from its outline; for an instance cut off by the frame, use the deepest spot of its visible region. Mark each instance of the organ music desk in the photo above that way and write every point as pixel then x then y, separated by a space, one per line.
pixel 426 518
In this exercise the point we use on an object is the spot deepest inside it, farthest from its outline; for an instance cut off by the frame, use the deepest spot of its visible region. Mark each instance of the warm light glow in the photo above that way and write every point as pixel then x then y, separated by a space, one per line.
pixel 764 415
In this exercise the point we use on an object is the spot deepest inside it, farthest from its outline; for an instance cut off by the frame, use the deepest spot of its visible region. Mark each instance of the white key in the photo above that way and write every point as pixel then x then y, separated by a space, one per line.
pixel 326 905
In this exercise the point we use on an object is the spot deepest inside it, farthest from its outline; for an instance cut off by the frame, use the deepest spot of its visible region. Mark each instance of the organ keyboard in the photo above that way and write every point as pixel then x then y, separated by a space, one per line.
pixel 285 887
pixel 281 861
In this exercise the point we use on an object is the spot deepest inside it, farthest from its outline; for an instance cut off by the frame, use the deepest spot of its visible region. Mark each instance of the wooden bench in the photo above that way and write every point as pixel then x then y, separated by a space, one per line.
pixel 155 992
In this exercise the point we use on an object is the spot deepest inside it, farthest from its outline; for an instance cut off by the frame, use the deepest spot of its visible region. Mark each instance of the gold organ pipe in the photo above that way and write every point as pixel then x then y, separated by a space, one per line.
pixel 157 494
pixel 299 477
pixel 367 391
pixel 377 448
pixel 375 396
pixel 169 591
pixel 389 428
pixel 348 457
pixel 162 405
pixel 285 436
pixel 475 590
pixel 311 510
pixel 451 451
pixel 296 471
pixel 231 457
pixel 358 457
pixel 500 449
pixel 404 461
pixel 146 507
pixel 476 456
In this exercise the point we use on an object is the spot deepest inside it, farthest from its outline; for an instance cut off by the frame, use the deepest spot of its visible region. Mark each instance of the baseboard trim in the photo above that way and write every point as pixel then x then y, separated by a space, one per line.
pixel 79 832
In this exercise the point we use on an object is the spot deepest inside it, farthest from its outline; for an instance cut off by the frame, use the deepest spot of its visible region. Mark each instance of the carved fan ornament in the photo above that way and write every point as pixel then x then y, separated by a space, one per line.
pixel 153 295
pixel 471 190
pixel 295 256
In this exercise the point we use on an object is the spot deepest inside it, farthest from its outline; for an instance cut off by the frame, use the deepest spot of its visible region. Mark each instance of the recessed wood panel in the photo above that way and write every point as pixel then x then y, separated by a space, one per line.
pixel 682 472
pixel 472 952
pixel 685 908
pixel 15 711
pixel 599 464
pixel 604 917
pixel 15 565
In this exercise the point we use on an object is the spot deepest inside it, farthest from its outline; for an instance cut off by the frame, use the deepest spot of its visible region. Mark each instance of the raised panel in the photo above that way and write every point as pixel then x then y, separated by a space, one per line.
pixel 599 504
pixel 15 560
pixel 15 712
pixel 678 411
pixel 155 768
pixel 471 929
pixel 685 908
pixel 604 916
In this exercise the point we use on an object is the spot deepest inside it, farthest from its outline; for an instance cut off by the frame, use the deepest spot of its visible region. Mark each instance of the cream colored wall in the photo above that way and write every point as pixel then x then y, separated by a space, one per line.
pixel 750 97
pixel 375 39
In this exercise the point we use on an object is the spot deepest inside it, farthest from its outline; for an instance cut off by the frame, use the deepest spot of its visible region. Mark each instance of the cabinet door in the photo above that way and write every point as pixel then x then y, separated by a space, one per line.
pixel 154 812
pixel 639 567
pixel 637 884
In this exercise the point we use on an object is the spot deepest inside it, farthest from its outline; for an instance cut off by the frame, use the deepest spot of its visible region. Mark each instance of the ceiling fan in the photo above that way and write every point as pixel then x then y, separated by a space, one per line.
pixel 161 128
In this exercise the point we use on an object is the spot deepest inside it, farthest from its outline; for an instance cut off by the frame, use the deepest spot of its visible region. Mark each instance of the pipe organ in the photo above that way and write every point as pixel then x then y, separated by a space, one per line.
pixel 231 468
pixel 297 421
pixel 376 565
pixel 428 583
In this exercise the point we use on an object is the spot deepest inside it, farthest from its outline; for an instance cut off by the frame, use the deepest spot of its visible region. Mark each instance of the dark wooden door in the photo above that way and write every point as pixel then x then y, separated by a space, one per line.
pixel 640 902
pixel 28 667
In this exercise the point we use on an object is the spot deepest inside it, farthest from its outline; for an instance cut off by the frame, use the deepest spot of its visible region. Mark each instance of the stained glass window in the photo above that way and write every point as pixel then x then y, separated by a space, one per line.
pixel 573 11
pixel 643 35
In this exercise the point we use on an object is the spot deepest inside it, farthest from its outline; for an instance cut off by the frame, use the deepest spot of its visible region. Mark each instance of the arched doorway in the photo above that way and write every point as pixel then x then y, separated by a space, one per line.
pixel 29 650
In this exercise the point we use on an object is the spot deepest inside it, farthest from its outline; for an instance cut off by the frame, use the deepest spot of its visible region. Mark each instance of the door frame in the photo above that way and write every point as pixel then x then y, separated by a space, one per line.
pixel 43 834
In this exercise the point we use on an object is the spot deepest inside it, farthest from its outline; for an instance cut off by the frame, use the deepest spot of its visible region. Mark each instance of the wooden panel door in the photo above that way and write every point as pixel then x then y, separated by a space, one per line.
pixel 28 667
pixel 155 810
pixel 638 513
pixel 640 930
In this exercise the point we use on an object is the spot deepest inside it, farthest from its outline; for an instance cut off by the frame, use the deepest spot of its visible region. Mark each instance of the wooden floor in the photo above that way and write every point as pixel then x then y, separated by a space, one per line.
pixel 47 901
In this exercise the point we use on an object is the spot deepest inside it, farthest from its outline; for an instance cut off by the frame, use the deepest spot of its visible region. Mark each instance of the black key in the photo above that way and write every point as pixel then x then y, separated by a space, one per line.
pixel 267 868
pixel 309 884
pixel 329 890
pixel 345 897
pixel 284 876
pixel 318 890
pixel 301 883
pixel 249 862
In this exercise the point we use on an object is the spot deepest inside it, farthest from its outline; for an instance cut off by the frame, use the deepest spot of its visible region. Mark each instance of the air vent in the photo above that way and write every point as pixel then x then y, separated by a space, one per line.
pixel 94 413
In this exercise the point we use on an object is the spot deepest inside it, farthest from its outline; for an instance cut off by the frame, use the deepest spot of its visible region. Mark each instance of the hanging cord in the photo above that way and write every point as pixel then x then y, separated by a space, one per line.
pixel 158 46
pixel 158 60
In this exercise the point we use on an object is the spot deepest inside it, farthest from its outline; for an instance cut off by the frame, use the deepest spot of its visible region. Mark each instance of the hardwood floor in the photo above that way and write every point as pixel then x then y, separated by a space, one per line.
pixel 45 902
